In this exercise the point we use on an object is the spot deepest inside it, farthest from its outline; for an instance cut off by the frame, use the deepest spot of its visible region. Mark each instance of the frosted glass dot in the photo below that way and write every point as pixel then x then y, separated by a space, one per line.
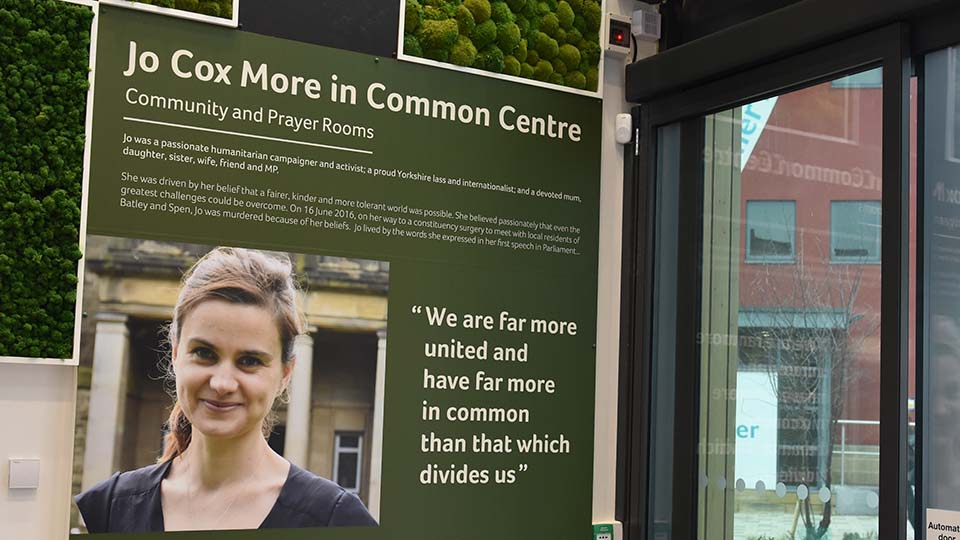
pixel 781 489
pixel 760 487
pixel 873 500
pixel 802 492
pixel 741 485
pixel 722 483
pixel 825 494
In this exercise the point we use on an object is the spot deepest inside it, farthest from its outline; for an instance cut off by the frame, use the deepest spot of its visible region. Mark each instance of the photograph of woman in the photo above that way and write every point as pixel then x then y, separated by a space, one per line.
pixel 232 358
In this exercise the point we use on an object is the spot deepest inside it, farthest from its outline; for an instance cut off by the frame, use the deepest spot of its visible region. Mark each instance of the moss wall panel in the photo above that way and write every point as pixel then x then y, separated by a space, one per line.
pixel 44 46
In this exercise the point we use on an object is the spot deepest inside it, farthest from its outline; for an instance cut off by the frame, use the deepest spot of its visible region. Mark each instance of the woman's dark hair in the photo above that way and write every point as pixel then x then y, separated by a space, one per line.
pixel 239 276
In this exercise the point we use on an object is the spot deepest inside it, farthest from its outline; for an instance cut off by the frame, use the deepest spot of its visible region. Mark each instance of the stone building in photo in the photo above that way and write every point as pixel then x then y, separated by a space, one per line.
pixel 333 422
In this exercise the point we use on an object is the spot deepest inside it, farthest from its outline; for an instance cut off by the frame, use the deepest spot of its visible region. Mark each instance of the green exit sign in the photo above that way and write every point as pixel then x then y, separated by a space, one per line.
pixel 603 532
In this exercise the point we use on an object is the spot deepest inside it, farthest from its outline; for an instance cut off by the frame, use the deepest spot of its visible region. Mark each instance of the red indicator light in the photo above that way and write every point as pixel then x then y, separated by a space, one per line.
pixel 619 36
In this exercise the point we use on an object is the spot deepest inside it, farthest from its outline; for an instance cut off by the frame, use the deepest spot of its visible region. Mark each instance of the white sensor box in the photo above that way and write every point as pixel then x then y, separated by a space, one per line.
pixel 646 25
pixel 24 473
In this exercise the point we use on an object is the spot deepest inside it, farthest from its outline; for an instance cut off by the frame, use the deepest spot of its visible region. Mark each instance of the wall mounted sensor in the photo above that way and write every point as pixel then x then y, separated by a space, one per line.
pixel 623 129
pixel 24 474
pixel 646 25
pixel 616 35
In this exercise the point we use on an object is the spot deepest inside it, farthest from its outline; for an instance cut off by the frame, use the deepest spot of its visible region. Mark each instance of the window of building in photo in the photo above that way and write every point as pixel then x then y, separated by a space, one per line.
pixel 771 231
pixel 347 464
pixel 855 231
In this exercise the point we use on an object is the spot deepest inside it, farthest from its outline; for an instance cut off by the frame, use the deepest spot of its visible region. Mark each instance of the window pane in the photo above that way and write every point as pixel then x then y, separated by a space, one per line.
pixel 789 380
pixel 855 231
pixel 771 229
pixel 347 470
pixel 349 441
pixel 940 402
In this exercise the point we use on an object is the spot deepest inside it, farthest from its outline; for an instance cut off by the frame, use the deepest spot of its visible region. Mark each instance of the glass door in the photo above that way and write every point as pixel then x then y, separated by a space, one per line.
pixel 779 359
pixel 940 402
pixel 789 418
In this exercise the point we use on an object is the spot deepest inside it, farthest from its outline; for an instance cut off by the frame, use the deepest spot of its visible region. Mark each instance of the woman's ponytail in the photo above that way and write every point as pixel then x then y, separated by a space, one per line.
pixel 179 430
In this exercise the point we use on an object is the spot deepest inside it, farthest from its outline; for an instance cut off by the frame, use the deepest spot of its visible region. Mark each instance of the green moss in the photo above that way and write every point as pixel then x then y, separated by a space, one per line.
pixel 210 8
pixel 440 55
pixel 593 78
pixel 576 6
pixel 580 23
pixel 570 56
pixel 463 53
pixel 521 51
pixel 556 79
pixel 561 36
pixel 523 24
pixel 575 79
pixel 532 37
pixel 450 8
pixel 434 13
pixel 44 63
pixel 533 58
pixel 549 25
pixel 559 66
pixel 565 15
pixel 592 16
pixel 543 71
pixel 574 36
pixel 214 8
pixel 413 14
pixel 484 34
pixel 547 47
pixel 516 6
pixel 411 46
pixel 508 37
pixel 511 66
pixel 500 13
pixel 437 34
pixel 590 50
pixel 526 71
pixel 465 21
pixel 479 8
pixel 530 10
pixel 490 59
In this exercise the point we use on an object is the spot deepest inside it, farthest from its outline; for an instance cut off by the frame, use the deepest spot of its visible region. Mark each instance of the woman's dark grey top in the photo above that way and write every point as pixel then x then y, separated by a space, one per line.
pixel 130 502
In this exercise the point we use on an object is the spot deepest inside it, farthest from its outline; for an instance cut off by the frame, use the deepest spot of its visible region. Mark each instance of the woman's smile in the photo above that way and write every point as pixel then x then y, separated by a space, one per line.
pixel 220 406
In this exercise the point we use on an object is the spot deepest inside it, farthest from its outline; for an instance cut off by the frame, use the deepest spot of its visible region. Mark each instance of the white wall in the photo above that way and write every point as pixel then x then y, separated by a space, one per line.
pixel 37 408
pixel 608 292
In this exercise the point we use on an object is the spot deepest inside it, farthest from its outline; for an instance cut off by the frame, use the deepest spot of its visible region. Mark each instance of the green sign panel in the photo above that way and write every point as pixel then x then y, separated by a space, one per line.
pixel 482 195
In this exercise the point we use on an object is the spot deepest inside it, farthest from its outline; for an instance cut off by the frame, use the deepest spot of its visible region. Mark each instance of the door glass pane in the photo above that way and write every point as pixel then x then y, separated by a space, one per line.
pixel 771 230
pixel 941 258
pixel 663 372
pixel 855 231
pixel 790 316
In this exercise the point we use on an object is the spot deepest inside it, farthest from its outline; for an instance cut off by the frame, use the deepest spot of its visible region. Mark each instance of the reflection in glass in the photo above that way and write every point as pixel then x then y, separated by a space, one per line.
pixel 770 230
pixel 941 403
pixel 790 317
pixel 855 231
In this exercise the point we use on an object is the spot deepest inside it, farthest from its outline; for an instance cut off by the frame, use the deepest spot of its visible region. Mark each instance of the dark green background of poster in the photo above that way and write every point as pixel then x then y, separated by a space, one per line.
pixel 553 498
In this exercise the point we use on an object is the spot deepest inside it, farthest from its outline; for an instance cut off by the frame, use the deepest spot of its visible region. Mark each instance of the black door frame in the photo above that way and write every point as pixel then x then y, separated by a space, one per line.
pixel 887 47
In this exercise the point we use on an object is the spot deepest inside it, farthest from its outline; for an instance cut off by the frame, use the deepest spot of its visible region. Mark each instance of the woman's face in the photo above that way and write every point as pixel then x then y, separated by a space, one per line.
pixel 228 367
